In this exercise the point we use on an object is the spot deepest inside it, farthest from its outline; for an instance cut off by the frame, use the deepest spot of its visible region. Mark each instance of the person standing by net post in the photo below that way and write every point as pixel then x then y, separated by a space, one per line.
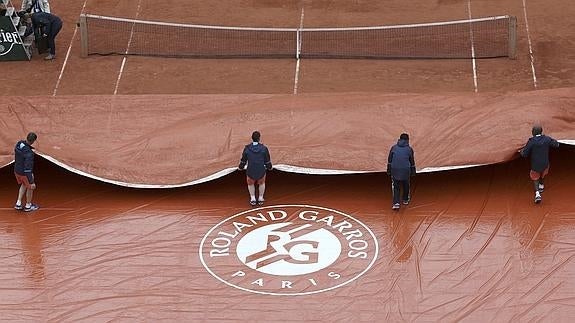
pixel 24 172
pixel 401 166
pixel 537 149
pixel 35 6
pixel 257 157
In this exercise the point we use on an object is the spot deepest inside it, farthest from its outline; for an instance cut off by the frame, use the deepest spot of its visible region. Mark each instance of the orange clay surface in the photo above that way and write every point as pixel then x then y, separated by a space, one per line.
pixel 471 246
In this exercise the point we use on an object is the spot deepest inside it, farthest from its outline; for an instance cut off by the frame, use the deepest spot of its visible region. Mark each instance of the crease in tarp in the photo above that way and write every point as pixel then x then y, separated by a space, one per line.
pixel 214 176
pixel 229 170
pixel 226 171
pixel 163 141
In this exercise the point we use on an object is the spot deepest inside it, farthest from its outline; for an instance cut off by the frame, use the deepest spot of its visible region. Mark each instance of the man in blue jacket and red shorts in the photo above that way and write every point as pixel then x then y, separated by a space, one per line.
pixel 257 157
pixel 537 148
pixel 24 172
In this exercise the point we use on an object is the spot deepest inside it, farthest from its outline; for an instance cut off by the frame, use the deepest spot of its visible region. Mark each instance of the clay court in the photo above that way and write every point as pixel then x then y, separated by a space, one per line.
pixel 550 32
pixel 144 218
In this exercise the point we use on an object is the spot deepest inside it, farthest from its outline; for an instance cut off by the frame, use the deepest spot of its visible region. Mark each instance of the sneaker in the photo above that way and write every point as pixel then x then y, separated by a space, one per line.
pixel 19 207
pixel 253 202
pixel 395 206
pixel 261 202
pixel 49 57
pixel 537 198
pixel 406 202
pixel 32 207
pixel 541 188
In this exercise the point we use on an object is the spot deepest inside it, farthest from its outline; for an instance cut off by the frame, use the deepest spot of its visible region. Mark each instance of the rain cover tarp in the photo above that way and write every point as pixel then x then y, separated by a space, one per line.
pixel 179 140
pixel 470 247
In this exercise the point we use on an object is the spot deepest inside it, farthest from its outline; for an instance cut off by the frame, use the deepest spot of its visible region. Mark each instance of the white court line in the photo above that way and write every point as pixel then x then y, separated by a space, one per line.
pixel 67 54
pixel 472 47
pixel 296 76
pixel 530 46
pixel 120 75
pixel 127 49
pixel 298 49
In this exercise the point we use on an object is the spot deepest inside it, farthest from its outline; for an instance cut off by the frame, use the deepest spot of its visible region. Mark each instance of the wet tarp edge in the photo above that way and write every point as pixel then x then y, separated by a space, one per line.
pixel 163 141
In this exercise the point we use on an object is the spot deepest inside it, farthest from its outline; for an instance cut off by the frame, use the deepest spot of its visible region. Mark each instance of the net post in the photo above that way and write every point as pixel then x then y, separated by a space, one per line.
pixel 298 43
pixel 83 35
pixel 512 37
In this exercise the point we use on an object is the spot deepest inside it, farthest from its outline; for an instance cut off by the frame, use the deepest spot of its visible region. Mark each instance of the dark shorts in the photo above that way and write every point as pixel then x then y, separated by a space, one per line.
pixel 536 175
pixel 23 180
pixel 252 181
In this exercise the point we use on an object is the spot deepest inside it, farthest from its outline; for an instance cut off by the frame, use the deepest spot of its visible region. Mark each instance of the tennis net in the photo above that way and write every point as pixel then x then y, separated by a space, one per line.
pixel 474 38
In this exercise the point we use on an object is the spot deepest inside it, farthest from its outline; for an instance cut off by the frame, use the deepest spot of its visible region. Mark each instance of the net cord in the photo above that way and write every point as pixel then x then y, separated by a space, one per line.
pixel 150 22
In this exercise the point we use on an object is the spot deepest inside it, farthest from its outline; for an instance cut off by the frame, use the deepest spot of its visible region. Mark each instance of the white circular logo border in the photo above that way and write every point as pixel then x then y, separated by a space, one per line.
pixel 288 294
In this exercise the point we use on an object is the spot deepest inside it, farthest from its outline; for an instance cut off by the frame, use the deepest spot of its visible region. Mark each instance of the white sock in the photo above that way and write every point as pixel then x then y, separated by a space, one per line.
pixel 18 202
pixel 28 205
pixel 252 191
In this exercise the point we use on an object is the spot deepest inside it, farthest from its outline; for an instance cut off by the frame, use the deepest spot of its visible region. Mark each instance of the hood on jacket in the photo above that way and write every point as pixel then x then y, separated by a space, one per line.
pixel 403 142
pixel 255 148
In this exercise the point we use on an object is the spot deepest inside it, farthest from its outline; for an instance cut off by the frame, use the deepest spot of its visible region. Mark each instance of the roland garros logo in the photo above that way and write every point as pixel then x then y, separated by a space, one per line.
pixel 288 250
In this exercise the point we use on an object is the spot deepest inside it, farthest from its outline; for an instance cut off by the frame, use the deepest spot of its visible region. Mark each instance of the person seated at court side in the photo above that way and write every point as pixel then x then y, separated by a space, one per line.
pixel 32 6
pixel 45 25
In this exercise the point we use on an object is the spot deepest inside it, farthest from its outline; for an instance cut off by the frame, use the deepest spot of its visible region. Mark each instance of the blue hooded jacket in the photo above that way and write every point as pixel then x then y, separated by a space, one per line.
pixel 24 160
pixel 401 161
pixel 538 149
pixel 258 159
pixel 48 21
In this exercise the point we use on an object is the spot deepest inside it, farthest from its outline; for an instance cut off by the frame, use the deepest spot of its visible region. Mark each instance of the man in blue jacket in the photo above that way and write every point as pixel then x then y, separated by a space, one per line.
pixel 537 148
pixel 257 157
pixel 401 166
pixel 46 25
pixel 24 172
